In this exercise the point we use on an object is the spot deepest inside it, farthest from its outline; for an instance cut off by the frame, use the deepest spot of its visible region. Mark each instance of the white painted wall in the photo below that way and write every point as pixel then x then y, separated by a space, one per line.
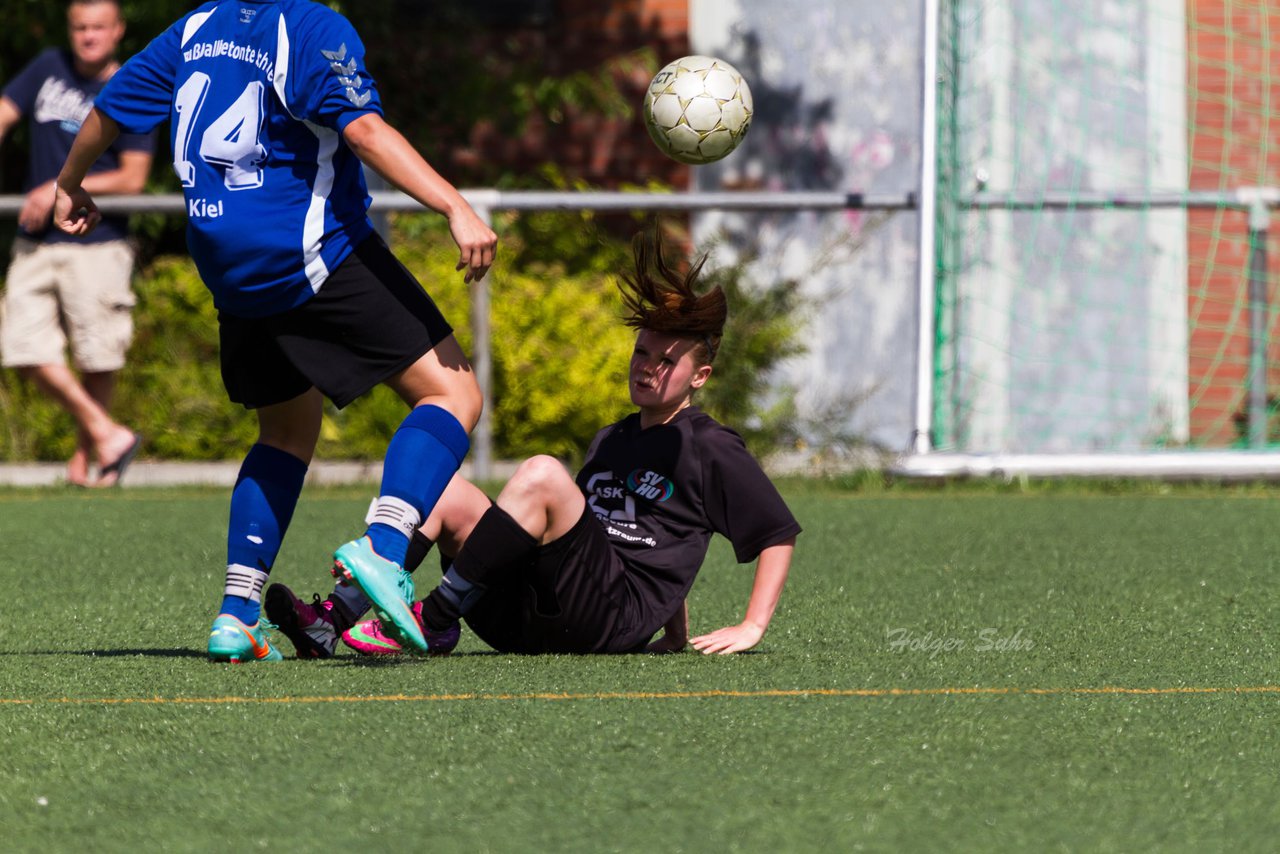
pixel 837 94
pixel 1073 328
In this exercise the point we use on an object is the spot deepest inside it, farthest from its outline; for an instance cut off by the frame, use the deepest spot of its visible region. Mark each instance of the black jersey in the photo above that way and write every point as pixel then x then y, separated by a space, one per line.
pixel 660 494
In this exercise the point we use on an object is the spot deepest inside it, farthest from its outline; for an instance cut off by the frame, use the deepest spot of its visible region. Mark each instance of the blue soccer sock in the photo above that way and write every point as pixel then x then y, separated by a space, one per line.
pixel 423 456
pixel 262 504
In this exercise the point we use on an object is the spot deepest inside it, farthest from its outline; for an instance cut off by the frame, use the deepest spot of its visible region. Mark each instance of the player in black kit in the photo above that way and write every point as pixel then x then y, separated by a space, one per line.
pixel 600 563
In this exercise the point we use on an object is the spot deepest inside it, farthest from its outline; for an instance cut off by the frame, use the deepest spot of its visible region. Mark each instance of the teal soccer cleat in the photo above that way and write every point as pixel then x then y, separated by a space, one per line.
pixel 231 640
pixel 388 587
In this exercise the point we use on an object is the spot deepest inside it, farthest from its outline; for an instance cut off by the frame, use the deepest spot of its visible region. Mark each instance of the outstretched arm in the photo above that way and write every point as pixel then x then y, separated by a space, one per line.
pixel 385 150
pixel 771 574
pixel 73 209
pixel 128 178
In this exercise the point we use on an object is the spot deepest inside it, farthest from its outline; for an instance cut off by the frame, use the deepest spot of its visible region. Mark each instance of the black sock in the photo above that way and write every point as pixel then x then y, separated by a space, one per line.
pixel 419 548
pixel 341 614
pixel 496 545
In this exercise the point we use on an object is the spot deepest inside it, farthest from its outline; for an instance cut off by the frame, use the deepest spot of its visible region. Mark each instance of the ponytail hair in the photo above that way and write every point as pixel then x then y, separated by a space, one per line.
pixel 660 299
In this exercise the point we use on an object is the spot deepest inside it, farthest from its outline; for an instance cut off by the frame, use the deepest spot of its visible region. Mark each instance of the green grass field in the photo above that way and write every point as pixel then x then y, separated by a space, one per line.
pixel 951 669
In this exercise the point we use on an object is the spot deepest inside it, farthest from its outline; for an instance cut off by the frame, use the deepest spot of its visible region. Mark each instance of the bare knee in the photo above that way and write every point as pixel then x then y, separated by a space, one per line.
pixel 38 374
pixel 292 426
pixel 467 404
pixel 542 475
pixel 301 446
pixel 542 497
pixel 442 377
pixel 455 514
pixel 539 484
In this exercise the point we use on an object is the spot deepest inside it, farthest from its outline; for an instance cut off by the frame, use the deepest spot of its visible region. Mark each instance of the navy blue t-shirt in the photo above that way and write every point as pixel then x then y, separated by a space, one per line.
pixel 55 100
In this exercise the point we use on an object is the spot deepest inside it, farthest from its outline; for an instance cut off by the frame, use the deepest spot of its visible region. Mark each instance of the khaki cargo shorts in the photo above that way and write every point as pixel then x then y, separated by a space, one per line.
pixel 67 293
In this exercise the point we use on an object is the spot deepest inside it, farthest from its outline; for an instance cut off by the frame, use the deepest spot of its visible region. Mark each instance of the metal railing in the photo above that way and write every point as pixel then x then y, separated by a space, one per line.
pixel 488 201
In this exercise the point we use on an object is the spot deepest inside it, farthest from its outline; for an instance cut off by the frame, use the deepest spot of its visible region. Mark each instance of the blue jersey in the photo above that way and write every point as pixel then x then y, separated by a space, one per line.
pixel 257 93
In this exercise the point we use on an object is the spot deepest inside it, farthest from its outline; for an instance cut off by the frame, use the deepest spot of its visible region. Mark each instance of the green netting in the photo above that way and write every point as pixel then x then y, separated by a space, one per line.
pixel 1069 321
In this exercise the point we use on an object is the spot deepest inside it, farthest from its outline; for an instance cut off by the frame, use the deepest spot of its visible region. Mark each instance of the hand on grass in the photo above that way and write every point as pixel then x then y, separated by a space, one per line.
pixel 729 639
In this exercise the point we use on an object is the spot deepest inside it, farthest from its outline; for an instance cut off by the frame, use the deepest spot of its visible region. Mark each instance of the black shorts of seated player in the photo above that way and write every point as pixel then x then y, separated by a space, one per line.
pixel 569 598
pixel 369 321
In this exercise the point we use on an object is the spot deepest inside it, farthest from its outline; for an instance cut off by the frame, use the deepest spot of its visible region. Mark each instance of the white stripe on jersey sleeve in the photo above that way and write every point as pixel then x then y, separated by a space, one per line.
pixel 313 226
pixel 282 65
pixel 194 23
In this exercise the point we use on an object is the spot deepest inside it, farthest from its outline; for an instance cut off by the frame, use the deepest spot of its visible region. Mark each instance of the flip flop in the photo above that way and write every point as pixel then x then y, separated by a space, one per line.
pixel 121 463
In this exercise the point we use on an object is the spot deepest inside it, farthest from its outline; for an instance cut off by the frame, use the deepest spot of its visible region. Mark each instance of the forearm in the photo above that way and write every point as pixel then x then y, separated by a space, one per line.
pixel 96 135
pixel 675 633
pixel 677 628
pixel 771 575
pixel 385 150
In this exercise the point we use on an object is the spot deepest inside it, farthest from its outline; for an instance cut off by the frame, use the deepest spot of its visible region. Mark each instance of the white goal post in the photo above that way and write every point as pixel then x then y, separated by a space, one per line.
pixel 1093 296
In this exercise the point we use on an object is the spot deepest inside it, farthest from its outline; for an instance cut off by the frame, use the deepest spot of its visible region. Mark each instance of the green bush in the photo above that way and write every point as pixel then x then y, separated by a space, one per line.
pixel 559 354
pixel 763 329
pixel 35 429
pixel 171 389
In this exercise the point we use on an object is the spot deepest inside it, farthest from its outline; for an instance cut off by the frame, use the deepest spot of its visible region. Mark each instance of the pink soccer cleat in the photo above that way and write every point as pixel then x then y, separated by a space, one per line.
pixel 368 638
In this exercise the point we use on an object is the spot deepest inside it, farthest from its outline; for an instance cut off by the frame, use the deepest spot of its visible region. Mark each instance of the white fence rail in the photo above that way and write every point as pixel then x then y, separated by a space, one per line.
pixel 488 201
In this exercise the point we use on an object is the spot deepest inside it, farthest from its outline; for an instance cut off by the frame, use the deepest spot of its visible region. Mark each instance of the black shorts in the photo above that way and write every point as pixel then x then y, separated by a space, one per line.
pixel 571 598
pixel 369 321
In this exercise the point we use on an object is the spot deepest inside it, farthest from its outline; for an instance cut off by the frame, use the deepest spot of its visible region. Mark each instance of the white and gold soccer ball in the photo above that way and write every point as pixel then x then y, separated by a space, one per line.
pixel 697 109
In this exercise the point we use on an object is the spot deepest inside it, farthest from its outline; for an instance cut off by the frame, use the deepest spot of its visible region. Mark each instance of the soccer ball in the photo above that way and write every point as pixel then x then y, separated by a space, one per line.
pixel 697 109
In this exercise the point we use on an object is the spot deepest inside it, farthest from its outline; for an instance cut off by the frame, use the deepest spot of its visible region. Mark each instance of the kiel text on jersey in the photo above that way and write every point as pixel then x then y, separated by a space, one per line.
pixel 202 209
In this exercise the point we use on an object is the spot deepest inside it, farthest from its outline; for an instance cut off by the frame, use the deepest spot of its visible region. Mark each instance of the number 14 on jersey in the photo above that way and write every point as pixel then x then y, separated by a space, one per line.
pixel 230 141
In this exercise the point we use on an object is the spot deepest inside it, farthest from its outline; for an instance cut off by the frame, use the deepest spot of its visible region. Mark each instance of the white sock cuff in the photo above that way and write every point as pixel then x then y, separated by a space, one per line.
pixel 245 581
pixel 395 513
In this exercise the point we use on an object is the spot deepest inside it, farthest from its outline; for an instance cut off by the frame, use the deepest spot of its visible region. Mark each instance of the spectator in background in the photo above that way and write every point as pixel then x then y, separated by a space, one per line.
pixel 62 289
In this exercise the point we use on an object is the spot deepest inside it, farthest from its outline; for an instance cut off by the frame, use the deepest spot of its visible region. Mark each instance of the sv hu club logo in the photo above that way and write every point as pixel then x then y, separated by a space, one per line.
pixel 649 485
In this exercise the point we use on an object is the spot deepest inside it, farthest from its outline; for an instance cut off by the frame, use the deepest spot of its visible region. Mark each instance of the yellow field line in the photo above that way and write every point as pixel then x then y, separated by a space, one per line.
pixel 642 695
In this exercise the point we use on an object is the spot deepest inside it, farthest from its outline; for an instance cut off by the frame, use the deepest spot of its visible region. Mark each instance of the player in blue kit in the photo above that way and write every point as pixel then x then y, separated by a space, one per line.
pixel 272 111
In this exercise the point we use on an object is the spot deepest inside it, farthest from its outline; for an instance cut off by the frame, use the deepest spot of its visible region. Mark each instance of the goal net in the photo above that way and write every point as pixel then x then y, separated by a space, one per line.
pixel 1103 174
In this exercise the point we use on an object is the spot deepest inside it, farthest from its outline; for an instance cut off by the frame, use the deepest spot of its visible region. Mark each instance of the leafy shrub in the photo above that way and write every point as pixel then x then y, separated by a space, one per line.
pixel 559 354
pixel 762 331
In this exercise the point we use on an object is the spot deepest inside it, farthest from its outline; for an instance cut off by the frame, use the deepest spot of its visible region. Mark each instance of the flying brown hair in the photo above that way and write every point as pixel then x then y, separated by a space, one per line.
pixel 668 302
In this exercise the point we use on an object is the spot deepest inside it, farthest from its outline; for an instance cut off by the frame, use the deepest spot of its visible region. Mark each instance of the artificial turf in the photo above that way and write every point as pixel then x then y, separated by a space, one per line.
pixel 960 669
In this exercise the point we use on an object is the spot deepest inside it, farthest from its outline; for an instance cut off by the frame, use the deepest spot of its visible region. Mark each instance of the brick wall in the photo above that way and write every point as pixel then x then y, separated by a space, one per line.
pixel 1233 68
